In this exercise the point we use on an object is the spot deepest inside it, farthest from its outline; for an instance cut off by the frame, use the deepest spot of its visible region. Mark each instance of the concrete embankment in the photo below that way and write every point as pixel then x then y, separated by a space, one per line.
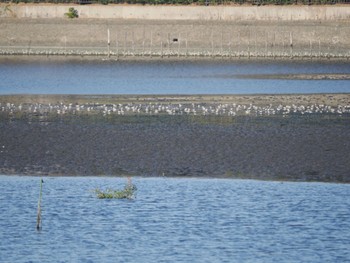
pixel 163 31
pixel 202 13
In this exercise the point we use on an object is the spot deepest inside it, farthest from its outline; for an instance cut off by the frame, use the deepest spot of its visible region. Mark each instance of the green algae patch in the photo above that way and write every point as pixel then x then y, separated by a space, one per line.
pixel 129 192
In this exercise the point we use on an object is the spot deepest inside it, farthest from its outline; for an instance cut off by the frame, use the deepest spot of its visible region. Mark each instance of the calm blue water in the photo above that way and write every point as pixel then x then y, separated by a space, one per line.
pixel 165 77
pixel 174 220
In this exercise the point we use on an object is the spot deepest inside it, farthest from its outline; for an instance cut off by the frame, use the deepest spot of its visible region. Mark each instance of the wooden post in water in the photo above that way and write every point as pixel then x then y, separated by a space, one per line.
pixel 117 44
pixel 229 46
pixel 291 44
pixel 249 44
pixel 212 43
pixel 221 46
pixel 133 43
pixel 274 44
pixel 38 218
pixel 168 40
pixel 108 42
pixel 319 47
pixel 179 45
pixel 65 45
pixel 151 44
pixel 255 43
pixel 310 48
pixel 186 44
pixel 125 37
pixel 283 44
pixel 239 45
pixel 266 41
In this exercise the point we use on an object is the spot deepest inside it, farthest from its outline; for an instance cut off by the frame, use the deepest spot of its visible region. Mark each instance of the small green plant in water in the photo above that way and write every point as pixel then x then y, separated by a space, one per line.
pixel 129 192
pixel 72 13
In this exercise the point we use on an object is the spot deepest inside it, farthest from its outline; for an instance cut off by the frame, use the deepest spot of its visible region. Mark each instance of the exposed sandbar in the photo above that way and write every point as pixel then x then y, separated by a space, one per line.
pixel 312 146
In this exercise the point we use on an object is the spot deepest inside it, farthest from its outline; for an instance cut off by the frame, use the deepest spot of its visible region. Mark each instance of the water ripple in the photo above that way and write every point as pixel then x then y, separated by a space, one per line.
pixel 182 220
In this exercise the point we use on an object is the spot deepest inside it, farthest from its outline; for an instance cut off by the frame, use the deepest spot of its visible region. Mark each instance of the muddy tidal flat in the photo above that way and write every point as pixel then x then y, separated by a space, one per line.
pixel 268 137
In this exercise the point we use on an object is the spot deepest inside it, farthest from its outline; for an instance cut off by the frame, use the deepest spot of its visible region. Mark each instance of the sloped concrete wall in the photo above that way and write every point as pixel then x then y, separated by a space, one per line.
pixel 211 13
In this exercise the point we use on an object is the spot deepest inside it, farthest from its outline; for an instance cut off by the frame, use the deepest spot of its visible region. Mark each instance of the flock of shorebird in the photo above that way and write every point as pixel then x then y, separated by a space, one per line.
pixel 218 109
pixel 159 52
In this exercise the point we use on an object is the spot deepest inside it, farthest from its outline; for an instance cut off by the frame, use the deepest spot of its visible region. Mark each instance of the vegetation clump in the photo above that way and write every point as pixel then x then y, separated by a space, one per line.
pixel 72 13
pixel 129 192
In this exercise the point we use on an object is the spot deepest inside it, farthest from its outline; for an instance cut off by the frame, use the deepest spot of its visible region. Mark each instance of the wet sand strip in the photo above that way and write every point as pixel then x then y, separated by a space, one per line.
pixel 294 76
pixel 332 99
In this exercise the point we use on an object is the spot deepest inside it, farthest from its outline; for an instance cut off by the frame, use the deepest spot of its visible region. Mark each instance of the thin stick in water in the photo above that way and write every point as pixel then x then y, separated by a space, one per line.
pixel 38 218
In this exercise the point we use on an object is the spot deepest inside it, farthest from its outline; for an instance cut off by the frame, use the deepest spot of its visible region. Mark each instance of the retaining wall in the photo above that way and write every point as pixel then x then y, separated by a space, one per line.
pixel 203 13
pixel 119 30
